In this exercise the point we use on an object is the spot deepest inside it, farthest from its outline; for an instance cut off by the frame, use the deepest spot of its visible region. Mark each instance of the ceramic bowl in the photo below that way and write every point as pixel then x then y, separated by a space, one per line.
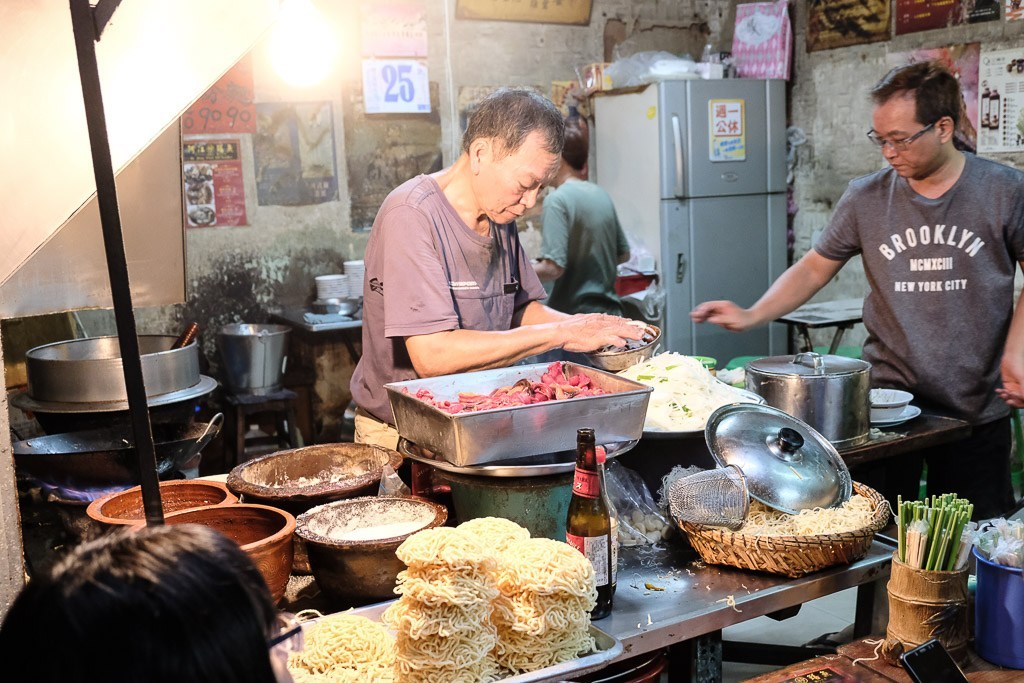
pixel 125 507
pixel 264 532
pixel 351 544
pixel 618 360
pixel 888 404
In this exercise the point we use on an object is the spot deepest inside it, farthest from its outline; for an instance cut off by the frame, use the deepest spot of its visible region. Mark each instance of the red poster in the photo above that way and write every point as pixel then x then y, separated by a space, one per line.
pixel 925 15
pixel 214 189
pixel 227 107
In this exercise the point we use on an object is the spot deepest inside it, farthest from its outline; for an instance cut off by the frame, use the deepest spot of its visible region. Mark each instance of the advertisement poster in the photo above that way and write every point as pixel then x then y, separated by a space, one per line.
pixel 840 23
pixel 294 154
pixel 534 11
pixel 962 61
pixel 925 15
pixel 1001 101
pixel 727 130
pixel 394 29
pixel 1013 10
pixel 227 107
pixel 214 188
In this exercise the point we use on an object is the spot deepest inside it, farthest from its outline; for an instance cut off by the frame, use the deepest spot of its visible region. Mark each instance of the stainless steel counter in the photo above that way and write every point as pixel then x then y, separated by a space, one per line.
pixel 695 599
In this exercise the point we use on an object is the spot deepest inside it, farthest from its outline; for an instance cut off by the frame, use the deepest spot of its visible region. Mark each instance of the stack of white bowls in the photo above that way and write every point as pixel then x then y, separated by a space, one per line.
pixel 356 270
pixel 332 287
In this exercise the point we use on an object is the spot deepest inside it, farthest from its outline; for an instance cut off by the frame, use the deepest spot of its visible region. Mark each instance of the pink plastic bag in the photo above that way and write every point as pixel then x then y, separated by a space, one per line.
pixel 762 44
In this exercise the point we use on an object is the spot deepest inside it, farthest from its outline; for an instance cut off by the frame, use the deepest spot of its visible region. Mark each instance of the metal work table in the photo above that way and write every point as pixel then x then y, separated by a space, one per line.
pixel 841 314
pixel 296 317
pixel 923 431
pixel 689 614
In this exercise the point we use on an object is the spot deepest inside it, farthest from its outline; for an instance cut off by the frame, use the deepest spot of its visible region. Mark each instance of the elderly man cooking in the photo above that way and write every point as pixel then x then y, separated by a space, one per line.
pixel 448 287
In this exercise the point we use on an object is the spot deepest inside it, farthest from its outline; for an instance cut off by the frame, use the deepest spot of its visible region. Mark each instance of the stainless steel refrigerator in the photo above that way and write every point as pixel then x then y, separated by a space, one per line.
pixel 697 171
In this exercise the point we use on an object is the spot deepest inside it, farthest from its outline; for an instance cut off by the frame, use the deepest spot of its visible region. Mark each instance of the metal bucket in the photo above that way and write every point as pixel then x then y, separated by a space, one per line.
pixel 540 504
pixel 253 356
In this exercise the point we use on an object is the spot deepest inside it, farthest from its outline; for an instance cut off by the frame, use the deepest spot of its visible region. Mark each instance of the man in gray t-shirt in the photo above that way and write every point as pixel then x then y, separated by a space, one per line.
pixel 448 288
pixel 941 233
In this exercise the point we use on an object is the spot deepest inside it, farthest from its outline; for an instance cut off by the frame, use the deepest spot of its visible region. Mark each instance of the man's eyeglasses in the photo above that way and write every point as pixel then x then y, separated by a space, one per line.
pixel 901 144
pixel 288 638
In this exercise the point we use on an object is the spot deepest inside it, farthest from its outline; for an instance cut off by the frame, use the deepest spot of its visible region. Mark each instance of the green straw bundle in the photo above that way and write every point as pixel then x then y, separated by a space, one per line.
pixel 931 535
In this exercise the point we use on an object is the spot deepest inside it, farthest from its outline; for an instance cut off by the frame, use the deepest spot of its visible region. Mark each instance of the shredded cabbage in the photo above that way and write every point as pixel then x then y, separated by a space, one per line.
pixel 685 393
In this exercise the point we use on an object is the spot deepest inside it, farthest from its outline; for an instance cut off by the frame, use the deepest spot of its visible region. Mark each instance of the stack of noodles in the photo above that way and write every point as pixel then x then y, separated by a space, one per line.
pixel 443 617
pixel 344 648
pixel 478 602
pixel 547 591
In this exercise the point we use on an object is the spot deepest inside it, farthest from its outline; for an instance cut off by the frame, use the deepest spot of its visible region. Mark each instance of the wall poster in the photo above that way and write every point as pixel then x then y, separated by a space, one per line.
pixel 1001 101
pixel 840 23
pixel 962 61
pixel 393 29
pixel 227 107
pixel 1013 10
pixel 925 15
pixel 294 153
pixel 213 183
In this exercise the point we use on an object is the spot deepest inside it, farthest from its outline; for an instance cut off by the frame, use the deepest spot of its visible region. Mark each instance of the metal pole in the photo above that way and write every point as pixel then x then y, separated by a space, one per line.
pixel 86 35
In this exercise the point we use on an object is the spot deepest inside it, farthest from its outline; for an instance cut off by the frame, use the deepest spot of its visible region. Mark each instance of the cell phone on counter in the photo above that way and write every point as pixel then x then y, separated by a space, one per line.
pixel 930 663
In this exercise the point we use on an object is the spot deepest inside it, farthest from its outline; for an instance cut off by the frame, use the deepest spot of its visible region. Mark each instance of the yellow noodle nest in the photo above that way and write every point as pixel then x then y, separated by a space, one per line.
pixel 445 546
pixel 419 620
pixel 344 647
pixel 546 567
pixel 854 514
pixel 495 532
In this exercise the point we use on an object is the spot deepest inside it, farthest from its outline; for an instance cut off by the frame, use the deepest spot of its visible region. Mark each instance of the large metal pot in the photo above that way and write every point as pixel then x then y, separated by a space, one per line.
pixel 830 393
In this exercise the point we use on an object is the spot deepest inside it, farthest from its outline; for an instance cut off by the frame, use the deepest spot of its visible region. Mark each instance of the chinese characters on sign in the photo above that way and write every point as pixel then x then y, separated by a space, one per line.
pixel 214 189
pixel 925 15
pixel 227 107
pixel 727 132
pixel 538 11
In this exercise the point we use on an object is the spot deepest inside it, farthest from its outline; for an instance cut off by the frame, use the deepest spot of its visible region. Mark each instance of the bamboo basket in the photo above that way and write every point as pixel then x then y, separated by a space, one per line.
pixel 791 556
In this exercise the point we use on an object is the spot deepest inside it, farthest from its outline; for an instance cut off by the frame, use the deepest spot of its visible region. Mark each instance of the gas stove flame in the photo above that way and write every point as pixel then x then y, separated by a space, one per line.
pixel 67 493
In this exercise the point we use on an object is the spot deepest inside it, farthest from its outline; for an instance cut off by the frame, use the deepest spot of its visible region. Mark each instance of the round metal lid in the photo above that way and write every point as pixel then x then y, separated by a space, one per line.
pixel 809 364
pixel 788 465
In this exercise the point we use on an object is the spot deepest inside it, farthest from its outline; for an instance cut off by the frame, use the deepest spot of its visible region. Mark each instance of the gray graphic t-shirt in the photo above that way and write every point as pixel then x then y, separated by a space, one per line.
pixel 941 276
pixel 427 271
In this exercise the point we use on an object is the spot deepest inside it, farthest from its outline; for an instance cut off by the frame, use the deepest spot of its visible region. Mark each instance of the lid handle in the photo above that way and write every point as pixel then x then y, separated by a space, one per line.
pixel 786 445
pixel 811 359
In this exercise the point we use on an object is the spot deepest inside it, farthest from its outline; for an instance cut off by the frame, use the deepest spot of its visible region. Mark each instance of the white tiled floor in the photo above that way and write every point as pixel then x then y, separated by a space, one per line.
pixel 825 615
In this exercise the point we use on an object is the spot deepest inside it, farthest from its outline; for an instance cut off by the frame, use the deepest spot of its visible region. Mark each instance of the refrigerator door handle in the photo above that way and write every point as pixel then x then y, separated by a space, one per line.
pixel 680 267
pixel 677 135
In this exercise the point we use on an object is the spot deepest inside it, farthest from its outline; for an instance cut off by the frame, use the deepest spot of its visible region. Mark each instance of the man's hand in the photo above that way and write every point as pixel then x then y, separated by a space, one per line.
pixel 591 331
pixel 1012 370
pixel 723 313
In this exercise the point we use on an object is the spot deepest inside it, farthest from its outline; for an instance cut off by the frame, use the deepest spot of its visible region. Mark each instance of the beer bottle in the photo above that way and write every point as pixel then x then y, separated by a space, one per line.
pixel 588 525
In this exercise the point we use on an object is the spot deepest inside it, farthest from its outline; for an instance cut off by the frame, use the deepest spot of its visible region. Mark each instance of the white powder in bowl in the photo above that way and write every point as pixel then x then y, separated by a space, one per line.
pixel 366 520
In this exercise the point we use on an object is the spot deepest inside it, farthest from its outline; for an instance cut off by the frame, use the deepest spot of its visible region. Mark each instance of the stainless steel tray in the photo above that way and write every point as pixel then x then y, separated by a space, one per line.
pixel 608 649
pixel 484 436
pixel 539 466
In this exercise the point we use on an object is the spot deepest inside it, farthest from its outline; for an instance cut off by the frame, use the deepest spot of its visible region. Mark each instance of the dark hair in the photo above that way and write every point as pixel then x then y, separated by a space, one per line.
pixel 936 91
pixel 162 605
pixel 577 143
pixel 509 115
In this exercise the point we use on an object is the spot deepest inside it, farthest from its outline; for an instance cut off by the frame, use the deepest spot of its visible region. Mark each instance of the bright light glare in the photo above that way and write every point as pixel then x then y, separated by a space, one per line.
pixel 302 45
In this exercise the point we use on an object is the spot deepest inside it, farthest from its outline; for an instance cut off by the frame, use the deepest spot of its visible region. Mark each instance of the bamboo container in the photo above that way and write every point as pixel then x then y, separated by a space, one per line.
pixel 925 605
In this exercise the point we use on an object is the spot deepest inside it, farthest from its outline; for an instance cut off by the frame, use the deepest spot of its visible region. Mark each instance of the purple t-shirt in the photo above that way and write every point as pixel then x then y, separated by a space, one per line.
pixel 426 272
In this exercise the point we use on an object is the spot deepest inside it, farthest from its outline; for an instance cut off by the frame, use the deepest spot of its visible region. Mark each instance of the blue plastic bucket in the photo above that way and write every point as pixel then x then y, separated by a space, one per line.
pixel 999 614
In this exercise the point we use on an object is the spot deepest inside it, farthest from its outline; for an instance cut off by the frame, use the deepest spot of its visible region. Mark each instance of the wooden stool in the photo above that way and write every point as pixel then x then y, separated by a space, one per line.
pixel 238 409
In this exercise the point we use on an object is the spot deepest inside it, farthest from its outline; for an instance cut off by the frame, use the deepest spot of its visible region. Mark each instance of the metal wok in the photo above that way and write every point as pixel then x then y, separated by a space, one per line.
pixel 105 458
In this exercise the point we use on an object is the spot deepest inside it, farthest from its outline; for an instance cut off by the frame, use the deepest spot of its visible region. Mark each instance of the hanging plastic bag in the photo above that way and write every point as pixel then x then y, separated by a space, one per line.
pixel 640 521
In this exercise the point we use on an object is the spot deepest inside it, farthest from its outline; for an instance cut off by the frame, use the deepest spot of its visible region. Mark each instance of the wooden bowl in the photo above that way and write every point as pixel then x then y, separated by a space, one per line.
pixel 351 544
pixel 125 507
pixel 264 532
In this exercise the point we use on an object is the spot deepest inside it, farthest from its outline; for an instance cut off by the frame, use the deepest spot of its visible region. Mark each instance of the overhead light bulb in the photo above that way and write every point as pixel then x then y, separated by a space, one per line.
pixel 302 45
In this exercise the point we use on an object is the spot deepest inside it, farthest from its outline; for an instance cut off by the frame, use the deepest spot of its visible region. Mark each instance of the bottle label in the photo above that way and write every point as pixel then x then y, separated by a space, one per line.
pixel 615 548
pixel 595 548
pixel 586 483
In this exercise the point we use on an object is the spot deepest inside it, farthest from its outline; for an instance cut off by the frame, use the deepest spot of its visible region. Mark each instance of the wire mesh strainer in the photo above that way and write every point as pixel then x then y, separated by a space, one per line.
pixel 713 497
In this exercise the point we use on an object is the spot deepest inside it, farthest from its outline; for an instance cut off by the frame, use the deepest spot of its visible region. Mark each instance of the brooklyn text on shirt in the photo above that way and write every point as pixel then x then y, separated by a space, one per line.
pixel 925 235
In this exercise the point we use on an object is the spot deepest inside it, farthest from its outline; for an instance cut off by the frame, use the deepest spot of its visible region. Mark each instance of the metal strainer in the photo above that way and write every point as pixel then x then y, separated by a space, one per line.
pixel 715 497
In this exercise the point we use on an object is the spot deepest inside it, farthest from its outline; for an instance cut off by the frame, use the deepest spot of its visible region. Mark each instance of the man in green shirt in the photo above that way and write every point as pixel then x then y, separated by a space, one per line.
pixel 583 241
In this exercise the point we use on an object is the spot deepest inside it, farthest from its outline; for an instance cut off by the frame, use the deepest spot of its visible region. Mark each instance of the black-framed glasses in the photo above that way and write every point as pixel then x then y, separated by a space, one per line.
pixel 901 144
pixel 289 636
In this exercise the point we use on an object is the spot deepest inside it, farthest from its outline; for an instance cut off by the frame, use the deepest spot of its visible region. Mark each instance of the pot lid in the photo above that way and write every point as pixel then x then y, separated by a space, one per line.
pixel 788 465
pixel 810 364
